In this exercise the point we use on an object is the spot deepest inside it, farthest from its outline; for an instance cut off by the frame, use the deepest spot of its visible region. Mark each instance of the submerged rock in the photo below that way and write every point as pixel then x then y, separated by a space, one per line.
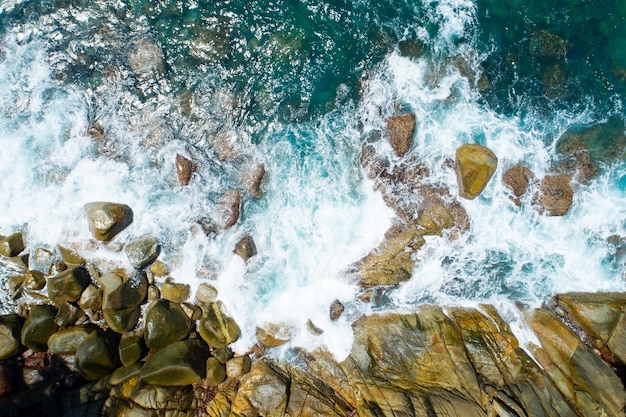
pixel 474 165
pixel 228 207
pixel 180 363
pixel 605 142
pixel 253 178
pixel 145 57
pixel 400 130
pixel 107 219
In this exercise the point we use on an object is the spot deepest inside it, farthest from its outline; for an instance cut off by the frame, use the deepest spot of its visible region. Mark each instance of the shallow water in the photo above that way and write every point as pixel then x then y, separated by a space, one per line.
pixel 299 86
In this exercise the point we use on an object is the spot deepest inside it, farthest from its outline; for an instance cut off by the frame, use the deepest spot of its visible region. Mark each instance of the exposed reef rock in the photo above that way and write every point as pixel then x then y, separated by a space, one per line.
pixel 400 130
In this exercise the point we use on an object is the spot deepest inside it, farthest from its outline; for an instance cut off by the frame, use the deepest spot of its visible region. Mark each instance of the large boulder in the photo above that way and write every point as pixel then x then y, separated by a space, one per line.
pixel 96 355
pixel 400 130
pixel 475 164
pixel 165 323
pixel 123 292
pixel 262 392
pixel 107 219
pixel 181 363
pixel 555 195
pixel 273 334
pixel 130 349
pixel 217 328
pixel 142 252
pixel 68 285
pixel 12 245
pixel 10 327
pixel 38 328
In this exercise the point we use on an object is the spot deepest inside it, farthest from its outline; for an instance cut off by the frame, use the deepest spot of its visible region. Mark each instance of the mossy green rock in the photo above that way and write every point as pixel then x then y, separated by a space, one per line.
pixel 166 323
pixel 181 363
pixel 12 245
pixel 475 165
pixel 67 315
pixel 142 252
pixel 122 289
pixel 10 326
pixel 123 320
pixel 107 219
pixel 174 291
pixel 38 328
pixel 34 280
pixel 70 256
pixel 68 285
pixel 65 342
pixel 125 373
pixel 130 349
pixel 215 372
pixel 216 328
pixel 96 355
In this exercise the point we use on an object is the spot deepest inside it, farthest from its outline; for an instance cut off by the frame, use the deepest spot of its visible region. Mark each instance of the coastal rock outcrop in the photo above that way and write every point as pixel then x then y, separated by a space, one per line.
pixel 555 195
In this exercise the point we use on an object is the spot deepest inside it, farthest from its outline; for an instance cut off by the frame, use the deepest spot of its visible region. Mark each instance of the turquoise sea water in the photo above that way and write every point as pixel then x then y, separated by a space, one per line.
pixel 299 86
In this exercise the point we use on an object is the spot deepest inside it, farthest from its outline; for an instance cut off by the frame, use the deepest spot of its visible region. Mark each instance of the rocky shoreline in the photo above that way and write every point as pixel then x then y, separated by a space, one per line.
pixel 96 339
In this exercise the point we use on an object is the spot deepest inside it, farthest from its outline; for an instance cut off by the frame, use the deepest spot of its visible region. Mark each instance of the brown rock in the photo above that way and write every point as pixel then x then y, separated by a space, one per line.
pixel 12 245
pixel 474 166
pixel 400 130
pixel 555 195
pixel 272 334
pixel 336 310
pixel 246 248
pixel 517 178
pixel 184 169
pixel 229 207
pixel 252 179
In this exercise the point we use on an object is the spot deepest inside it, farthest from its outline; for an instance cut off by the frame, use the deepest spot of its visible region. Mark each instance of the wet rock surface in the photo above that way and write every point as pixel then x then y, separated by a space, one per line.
pixel 400 130
pixel 474 166
pixel 107 219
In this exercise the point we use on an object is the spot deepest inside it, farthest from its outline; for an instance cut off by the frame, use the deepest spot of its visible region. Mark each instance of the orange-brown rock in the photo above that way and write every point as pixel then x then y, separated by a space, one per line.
pixel 474 164
pixel 184 169
pixel 400 130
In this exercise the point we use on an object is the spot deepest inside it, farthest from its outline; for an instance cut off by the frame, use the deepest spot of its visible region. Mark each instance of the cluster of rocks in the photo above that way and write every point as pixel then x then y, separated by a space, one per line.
pixel 425 209
pixel 78 323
